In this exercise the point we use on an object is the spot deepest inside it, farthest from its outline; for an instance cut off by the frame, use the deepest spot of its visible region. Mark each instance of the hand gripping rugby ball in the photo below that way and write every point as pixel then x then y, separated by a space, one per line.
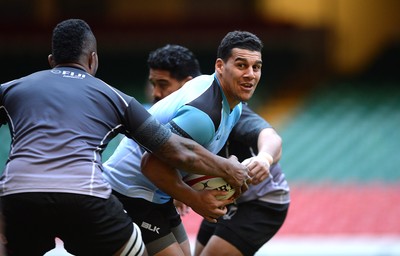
pixel 202 182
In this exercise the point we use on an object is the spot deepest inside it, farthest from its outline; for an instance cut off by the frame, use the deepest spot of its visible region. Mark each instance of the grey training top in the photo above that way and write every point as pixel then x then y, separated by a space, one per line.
pixel 242 143
pixel 60 121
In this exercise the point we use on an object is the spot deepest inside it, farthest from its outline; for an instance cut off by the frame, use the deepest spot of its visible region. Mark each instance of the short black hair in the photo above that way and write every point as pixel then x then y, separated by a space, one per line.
pixel 178 60
pixel 238 39
pixel 70 39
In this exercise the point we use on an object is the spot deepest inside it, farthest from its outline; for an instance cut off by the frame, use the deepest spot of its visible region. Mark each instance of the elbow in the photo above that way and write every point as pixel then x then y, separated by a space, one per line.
pixel 271 140
pixel 278 145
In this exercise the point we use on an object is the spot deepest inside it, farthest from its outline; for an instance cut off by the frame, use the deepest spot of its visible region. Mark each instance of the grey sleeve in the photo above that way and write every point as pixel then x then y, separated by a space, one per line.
pixel 3 115
pixel 144 128
pixel 248 127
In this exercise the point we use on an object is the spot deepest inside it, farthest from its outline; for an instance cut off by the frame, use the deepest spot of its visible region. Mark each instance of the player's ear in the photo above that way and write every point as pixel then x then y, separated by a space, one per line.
pixel 51 61
pixel 219 65
pixel 93 63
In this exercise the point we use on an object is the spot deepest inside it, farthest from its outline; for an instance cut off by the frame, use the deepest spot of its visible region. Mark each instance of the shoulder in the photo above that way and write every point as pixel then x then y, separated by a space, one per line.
pixel 194 122
pixel 192 91
pixel 249 117
pixel 210 100
pixel 202 79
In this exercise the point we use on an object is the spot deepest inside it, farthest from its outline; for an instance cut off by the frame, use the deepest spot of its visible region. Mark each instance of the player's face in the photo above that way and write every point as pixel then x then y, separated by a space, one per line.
pixel 163 84
pixel 240 75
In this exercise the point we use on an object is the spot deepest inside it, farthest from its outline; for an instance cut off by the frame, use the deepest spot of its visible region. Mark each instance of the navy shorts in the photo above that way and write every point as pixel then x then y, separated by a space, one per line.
pixel 87 225
pixel 247 226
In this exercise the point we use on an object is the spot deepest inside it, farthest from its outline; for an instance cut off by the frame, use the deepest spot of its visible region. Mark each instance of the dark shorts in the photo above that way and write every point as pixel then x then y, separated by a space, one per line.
pixel 161 224
pixel 87 225
pixel 247 226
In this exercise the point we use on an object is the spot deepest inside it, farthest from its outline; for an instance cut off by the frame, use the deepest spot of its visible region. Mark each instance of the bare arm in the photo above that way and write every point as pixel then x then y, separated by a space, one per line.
pixel 270 142
pixel 168 180
pixel 269 152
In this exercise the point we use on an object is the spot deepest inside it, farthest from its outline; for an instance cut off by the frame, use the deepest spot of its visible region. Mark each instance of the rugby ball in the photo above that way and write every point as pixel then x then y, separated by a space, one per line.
pixel 202 182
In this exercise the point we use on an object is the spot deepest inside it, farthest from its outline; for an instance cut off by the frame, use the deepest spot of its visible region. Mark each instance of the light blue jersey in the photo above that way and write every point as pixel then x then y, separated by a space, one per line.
pixel 199 110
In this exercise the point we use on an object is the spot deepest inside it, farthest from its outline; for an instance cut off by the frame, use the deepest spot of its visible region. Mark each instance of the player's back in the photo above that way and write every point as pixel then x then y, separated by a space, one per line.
pixel 59 121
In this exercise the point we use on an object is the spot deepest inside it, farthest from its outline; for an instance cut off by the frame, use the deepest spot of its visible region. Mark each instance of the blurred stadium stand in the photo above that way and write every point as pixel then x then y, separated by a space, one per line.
pixel 345 132
pixel 341 148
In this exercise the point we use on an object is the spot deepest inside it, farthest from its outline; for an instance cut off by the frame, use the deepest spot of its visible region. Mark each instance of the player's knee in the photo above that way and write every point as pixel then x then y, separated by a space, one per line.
pixel 135 245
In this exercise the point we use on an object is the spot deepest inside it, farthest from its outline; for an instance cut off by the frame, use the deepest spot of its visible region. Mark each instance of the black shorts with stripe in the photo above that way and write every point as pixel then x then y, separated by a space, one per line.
pixel 87 225
pixel 160 224
pixel 247 226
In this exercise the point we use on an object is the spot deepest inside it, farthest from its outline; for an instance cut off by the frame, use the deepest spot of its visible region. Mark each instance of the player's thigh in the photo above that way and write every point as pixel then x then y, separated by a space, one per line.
pixel 220 247
pixel 160 224
pixel 167 245
pixel 205 232
pixel 134 246
pixel 94 226
pixel 198 248
pixel 252 225
pixel 152 218
pixel 172 249
pixel 185 246
pixel 29 223
pixel 181 237
pixel 260 221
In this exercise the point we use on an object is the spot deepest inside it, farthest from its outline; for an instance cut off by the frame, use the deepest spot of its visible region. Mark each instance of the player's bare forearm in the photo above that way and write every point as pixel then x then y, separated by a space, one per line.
pixel 270 142
pixel 269 152
pixel 168 180
pixel 192 157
